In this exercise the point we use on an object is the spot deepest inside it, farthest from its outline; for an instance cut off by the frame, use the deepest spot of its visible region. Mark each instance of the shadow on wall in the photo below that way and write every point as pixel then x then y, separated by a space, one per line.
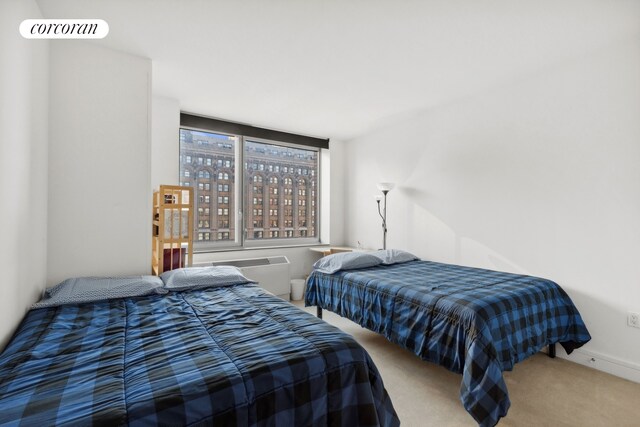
pixel 462 249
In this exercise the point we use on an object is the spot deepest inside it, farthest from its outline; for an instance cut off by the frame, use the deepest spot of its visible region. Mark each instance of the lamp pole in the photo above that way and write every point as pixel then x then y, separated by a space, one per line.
pixel 385 187
pixel 383 215
pixel 384 222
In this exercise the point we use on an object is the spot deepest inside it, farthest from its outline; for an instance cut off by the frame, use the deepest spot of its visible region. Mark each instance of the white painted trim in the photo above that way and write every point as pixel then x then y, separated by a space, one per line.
pixel 602 362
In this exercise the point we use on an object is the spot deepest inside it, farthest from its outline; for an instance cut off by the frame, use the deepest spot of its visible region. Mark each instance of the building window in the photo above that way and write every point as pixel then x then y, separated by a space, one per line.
pixel 285 173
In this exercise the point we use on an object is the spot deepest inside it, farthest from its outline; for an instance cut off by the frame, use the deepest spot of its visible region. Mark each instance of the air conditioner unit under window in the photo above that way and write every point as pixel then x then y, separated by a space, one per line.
pixel 272 273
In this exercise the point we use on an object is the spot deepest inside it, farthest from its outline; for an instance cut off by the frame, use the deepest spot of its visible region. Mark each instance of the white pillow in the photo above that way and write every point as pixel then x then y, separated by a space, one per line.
pixel 394 256
pixel 345 261
pixel 183 279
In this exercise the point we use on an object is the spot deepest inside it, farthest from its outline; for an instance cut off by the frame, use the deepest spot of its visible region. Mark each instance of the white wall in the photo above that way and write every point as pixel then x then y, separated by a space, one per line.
pixel 336 193
pixel 23 164
pixel 332 194
pixel 540 175
pixel 99 162
pixel 165 128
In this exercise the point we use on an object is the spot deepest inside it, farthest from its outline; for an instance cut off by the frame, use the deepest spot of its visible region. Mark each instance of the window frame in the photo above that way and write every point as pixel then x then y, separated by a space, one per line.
pixel 242 240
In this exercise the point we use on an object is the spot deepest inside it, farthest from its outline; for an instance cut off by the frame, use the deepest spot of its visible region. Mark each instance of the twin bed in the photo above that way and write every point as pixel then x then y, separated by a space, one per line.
pixel 223 355
pixel 475 322
pixel 205 348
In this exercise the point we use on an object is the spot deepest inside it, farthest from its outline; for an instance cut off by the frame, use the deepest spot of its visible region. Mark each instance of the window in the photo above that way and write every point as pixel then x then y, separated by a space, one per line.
pixel 283 173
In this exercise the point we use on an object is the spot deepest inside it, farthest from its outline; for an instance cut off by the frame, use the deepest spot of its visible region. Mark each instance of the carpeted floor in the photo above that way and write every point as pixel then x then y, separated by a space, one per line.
pixel 543 391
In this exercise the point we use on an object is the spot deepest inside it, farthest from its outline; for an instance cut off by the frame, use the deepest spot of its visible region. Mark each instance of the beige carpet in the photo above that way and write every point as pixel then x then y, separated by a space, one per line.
pixel 543 391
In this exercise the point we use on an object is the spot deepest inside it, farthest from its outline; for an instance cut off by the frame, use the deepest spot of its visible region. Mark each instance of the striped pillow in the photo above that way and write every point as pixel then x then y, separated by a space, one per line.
pixel 89 289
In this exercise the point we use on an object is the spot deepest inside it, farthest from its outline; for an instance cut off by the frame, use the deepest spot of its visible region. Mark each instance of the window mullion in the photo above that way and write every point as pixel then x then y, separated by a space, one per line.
pixel 240 171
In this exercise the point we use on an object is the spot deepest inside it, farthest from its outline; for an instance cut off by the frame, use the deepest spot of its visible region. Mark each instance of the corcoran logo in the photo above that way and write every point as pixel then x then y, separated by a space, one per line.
pixel 64 29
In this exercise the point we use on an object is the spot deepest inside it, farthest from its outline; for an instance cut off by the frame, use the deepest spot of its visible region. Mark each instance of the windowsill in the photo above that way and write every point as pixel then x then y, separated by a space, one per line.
pixel 259 248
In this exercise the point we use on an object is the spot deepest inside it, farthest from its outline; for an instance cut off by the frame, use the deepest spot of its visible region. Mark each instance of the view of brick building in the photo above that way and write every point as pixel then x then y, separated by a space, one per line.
pixel 280 187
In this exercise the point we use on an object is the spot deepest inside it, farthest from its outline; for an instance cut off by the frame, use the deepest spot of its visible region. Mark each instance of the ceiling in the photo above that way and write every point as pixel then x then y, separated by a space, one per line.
pixel 337 68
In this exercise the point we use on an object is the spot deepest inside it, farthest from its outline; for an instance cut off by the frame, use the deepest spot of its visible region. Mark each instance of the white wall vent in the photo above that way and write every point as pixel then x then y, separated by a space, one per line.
pixel 272 273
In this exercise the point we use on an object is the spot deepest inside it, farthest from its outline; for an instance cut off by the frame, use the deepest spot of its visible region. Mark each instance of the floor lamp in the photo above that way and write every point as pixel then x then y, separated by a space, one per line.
pixel 385 187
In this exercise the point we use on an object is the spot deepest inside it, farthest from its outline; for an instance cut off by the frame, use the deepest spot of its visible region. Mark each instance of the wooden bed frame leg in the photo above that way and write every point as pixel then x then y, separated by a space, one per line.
pixel 319 312
pixel 552 351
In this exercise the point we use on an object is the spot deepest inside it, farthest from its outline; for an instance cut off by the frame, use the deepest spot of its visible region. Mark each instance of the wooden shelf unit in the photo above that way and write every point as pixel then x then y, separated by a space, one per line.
pixel 172 229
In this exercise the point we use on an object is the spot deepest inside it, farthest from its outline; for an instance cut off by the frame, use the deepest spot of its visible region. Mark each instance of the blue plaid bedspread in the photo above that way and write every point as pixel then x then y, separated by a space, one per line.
pixel 475 322
pixel 231 356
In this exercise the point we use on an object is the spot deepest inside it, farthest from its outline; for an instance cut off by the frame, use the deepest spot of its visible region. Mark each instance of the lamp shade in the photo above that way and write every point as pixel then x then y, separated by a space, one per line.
pixel 377 197
pixel 385 186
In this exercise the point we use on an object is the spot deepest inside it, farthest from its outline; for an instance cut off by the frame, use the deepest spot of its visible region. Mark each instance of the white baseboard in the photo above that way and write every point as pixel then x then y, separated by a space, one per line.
pixel 611 365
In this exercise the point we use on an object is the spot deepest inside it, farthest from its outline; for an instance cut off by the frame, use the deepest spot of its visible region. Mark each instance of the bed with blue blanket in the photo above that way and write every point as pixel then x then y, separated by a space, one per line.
pixel 472 321
pixel 224 355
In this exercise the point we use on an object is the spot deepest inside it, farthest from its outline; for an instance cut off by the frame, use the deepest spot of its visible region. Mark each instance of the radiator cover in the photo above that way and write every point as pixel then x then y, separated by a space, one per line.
pixel 272 273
